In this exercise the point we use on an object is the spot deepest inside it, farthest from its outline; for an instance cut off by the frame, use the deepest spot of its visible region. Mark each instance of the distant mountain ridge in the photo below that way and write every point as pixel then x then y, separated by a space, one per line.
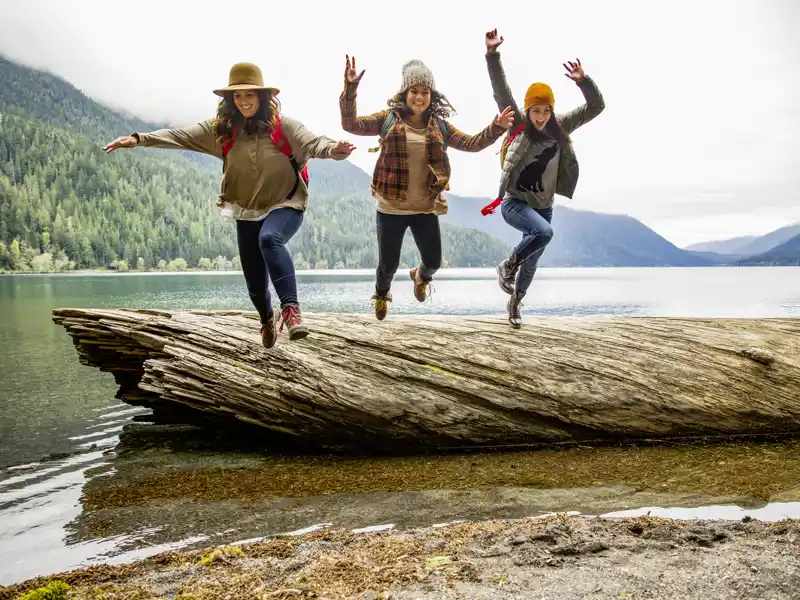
pixel 785 254
pixel 749 245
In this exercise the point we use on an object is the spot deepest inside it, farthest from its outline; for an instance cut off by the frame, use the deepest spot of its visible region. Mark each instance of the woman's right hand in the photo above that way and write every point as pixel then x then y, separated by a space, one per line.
pixel 493 41
pixel 350 75
pixel 126 141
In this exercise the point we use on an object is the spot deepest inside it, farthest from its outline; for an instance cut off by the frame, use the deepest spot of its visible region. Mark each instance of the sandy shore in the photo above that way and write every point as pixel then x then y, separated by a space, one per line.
pixel 550 557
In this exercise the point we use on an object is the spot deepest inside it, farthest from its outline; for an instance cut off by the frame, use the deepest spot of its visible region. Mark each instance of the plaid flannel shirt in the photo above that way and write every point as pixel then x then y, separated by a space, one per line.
pixel 390 178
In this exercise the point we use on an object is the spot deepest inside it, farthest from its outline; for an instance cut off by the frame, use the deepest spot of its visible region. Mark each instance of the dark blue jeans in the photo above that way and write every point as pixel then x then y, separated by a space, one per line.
pixel 264 257
pixel 536 234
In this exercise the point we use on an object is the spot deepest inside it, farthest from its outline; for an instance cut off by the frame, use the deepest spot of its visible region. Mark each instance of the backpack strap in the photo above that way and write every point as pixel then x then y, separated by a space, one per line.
pixel 226 147
pixel 516 132
pixel 388 122
pixel 490 208
pixel 443 129
pixel 284 147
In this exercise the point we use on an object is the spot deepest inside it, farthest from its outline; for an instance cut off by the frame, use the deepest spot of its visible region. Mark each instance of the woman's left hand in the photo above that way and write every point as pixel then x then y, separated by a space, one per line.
pixel 574 70
pixel 505 119
pixel 345 148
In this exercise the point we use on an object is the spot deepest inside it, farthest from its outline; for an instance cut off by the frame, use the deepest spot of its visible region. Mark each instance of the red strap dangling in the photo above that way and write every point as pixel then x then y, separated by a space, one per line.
pixel 489 208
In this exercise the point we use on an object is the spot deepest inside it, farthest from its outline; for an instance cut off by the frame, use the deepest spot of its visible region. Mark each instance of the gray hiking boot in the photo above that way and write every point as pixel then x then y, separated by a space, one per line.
pixel 513 306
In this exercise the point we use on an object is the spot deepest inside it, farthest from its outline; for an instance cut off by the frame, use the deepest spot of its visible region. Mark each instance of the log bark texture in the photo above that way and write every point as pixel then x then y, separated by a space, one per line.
pixel 418 382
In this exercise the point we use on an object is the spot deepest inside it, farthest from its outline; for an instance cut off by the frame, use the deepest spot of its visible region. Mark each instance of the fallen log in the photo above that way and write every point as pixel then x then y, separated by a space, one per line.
pixel 419 382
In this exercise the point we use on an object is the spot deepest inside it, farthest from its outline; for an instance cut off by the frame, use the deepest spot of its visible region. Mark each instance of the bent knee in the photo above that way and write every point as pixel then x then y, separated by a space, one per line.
pixel 270 239
pixel 546 233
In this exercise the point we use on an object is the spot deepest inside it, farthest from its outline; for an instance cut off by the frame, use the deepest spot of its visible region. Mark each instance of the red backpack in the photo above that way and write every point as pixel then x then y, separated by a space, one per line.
pixel 283 146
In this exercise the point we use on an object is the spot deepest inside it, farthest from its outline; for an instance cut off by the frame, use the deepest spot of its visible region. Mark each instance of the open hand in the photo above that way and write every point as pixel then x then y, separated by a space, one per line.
pixel 126 141
pixel 574 71
pixel 506 118
pixel 493 41
pixel 345 148
pixel 350 75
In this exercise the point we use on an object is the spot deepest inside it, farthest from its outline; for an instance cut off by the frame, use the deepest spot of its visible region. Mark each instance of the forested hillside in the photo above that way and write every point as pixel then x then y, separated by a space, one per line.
pixel 65 204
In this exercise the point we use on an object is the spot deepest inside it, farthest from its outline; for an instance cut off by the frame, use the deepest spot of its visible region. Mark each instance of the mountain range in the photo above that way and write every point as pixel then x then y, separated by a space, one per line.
pixel 62 197
pixel 747 249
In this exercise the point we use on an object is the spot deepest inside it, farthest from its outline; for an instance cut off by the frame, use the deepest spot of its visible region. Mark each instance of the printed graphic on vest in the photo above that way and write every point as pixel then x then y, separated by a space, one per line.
pixel 530 180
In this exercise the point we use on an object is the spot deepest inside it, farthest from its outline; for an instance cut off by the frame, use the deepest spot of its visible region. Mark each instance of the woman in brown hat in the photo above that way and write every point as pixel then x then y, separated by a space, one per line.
pixel 264 184
pixel 412 170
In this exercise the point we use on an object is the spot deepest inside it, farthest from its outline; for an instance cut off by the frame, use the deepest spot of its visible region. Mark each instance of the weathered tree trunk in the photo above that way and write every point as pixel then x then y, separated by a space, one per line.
pixel 436 382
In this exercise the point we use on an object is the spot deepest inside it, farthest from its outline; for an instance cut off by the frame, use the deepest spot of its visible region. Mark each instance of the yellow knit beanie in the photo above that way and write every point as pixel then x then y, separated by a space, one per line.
pixel 539 93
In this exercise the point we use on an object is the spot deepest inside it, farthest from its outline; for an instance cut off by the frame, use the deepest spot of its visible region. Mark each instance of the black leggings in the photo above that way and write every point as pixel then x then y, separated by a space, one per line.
pixel 264 256
pixel 391 230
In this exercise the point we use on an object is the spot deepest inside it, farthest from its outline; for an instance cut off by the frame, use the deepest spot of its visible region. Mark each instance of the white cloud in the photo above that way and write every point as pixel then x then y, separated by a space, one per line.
pixel 699 138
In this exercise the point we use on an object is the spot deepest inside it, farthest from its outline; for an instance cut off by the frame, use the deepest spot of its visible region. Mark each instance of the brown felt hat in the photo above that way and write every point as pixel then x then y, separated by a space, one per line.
pixel 245 76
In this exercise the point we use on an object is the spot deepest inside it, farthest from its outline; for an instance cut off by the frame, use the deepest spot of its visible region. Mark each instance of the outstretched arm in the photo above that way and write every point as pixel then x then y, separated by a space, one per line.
pixel 307 145
pixel 351 122
pixel 594 99
pixel 196 138
pixel 475 143
pixel 502 93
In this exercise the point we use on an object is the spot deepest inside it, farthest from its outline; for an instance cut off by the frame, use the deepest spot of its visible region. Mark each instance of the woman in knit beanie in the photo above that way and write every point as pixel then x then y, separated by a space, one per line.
pixel 538 163
pixel 412 171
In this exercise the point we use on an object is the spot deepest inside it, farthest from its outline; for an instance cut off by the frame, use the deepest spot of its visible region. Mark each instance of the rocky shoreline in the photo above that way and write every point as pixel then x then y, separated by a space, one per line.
pixel 556 556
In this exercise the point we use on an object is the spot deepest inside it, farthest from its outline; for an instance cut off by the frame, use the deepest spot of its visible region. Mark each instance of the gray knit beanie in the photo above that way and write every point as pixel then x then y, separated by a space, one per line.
pixel 416 73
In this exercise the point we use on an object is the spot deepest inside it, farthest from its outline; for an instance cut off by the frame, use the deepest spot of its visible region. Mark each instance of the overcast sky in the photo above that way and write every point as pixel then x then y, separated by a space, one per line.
pixel 699 138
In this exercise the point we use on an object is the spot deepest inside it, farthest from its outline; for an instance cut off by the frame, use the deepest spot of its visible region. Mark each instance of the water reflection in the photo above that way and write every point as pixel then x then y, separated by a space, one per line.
pixel 224 487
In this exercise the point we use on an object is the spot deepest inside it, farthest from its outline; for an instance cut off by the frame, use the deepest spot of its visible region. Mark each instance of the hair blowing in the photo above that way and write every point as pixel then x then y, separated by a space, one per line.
pixel 440 106
pixel 229 118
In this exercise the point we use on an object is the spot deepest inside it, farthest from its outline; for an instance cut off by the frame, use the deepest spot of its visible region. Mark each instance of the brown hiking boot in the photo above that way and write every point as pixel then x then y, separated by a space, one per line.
pixel 293 322
pixel 381 305
pixel 514 314
pixel 507 272
pixel 269 334
pixel 422 289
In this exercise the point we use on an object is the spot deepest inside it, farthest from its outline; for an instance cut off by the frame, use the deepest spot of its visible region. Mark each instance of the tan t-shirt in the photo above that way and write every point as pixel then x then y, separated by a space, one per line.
pixel 419 198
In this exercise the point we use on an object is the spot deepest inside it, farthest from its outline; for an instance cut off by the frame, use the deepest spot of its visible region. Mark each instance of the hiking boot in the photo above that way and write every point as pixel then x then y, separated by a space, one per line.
pixel 293 322
pixel 269 334
pixel 507 272
pixel 422 289
pixel 381 305
pixel 514 314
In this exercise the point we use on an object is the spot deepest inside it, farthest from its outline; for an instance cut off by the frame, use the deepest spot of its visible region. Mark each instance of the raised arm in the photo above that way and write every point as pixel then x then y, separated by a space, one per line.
pixel 594 99
pixel 307 145
pixel 195 138
pixel 351 122
pixel 475 143
pixel 502 93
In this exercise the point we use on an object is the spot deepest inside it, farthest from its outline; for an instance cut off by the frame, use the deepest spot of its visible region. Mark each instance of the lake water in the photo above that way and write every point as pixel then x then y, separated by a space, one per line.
pixel 60 424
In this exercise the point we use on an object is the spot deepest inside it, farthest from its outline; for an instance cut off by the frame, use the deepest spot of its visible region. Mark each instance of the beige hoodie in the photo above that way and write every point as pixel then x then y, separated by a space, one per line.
pixel 257 178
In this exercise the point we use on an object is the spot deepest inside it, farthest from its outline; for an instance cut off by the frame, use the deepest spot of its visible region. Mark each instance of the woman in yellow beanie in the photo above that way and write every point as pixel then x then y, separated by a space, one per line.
pixel 412 170
pixel 538 163
pixel 264 184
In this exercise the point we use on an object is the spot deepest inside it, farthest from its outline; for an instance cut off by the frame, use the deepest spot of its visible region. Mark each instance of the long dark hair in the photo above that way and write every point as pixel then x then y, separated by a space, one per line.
pixel 229 118
pixel 552 131
pixel 440 106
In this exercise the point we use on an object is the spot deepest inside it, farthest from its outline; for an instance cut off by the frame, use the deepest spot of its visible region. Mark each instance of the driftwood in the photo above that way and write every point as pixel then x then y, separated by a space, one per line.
pixel 444 382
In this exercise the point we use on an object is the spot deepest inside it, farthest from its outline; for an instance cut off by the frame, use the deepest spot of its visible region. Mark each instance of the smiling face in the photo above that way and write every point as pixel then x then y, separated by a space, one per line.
pixel 247 102
pixel 540 114
pixel 418 98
